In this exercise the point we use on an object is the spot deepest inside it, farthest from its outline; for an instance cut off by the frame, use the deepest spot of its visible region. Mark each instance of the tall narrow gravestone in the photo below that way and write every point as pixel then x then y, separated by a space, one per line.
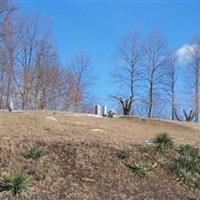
pixel 104 111
pixel 10 106
pixel 97 110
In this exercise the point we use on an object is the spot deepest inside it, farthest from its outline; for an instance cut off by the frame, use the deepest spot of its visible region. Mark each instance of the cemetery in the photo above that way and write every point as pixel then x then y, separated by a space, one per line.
pixel 99 100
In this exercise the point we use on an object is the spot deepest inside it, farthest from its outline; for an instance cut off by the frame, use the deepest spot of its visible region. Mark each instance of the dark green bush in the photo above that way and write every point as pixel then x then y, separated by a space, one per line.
pixel 187 165
pixel 188 150
pixel 15 184
pixel 163 143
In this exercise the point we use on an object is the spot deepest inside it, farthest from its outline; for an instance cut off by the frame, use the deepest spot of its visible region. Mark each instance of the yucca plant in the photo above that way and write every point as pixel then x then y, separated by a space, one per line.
pixel 142 169
pixel 34 153
pixel 187 165
pixel 188 150
pixel 15 184
pixel 189 158
pixel 163 143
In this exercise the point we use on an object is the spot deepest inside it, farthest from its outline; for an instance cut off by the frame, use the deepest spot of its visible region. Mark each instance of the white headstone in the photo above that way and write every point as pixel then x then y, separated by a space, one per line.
pixel 104 111
pixel 10 105
pixel 97 110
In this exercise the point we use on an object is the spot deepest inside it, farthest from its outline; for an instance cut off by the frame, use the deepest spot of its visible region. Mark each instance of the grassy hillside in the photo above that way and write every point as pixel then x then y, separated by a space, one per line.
pixel 78 156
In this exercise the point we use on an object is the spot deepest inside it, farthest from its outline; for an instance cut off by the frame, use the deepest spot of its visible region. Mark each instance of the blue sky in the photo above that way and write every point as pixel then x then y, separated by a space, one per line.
pixel 98 26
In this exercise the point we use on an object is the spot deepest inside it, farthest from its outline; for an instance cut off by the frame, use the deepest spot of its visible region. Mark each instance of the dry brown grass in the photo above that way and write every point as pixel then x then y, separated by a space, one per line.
pixel 80 161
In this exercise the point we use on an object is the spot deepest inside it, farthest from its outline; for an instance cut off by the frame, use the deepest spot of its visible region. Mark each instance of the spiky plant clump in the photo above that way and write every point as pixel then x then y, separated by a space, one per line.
pixel 163 143
pixel 142 169
pixel 34 153
pixel 15 185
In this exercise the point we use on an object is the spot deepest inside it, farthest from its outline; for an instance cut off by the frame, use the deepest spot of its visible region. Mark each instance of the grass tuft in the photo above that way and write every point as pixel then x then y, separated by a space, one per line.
pixel 142 169
pixel 15 184
pixel 34 153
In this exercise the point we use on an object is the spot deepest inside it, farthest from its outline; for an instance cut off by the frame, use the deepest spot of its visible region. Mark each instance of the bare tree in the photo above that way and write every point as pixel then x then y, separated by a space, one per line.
pixel 7 8
pixel 46 81
pixel 68 90
pixel 83 79
pixel 154 52
pixel 24 76
pixel 194 79
pixel 126 73
pixel 169 81
pixel 188 116
pixel 7 50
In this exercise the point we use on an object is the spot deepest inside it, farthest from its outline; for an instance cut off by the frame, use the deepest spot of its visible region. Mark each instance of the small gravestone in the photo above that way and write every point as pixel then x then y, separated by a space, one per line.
pixel 110 113
pixel 150 142
pixel 10 106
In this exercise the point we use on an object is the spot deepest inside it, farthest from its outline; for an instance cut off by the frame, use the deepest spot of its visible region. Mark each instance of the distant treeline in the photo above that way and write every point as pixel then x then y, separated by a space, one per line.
pixel 31 73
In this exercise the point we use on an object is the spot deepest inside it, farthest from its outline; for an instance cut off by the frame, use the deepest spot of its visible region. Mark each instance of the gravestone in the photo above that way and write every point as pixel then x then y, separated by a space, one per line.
pixel 110 113
pixel 10 105
pixel 104 111
pixel 97 110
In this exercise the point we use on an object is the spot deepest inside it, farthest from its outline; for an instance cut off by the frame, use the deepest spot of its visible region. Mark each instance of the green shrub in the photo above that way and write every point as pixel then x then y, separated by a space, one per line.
pixel 123 154
pixel 34 153
pixel 163 143
pixel 187 165
pixel 15 184
pixel 198 197
pixel 189 158
pixel 141 169
pixel 188 150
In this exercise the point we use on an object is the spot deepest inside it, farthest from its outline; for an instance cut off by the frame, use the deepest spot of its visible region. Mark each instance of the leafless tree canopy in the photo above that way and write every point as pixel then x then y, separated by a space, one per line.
pixel 154 52
pixel 127 71
pixel 194 72
pixel 152 69
pixel 81 80
pixel 31 73
pixel 170 80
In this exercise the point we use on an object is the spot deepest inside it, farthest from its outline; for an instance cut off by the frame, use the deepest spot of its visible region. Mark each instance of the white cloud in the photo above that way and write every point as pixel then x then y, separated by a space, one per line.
pixel 183 54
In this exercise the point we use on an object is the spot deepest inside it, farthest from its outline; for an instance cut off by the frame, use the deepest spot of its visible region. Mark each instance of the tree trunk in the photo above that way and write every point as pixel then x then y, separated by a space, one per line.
pixel 173 103
pixel 150 100
pixel 126 111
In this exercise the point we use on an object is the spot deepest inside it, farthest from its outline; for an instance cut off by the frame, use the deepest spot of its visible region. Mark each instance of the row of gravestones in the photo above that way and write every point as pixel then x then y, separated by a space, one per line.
pixel 103 111
pixel 98 111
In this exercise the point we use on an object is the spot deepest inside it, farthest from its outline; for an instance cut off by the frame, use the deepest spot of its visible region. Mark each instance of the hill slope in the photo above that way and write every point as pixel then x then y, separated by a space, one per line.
pixel 81 161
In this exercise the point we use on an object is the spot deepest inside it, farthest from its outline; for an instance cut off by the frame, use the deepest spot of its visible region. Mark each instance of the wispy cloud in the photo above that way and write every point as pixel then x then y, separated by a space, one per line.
pixel 183 54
